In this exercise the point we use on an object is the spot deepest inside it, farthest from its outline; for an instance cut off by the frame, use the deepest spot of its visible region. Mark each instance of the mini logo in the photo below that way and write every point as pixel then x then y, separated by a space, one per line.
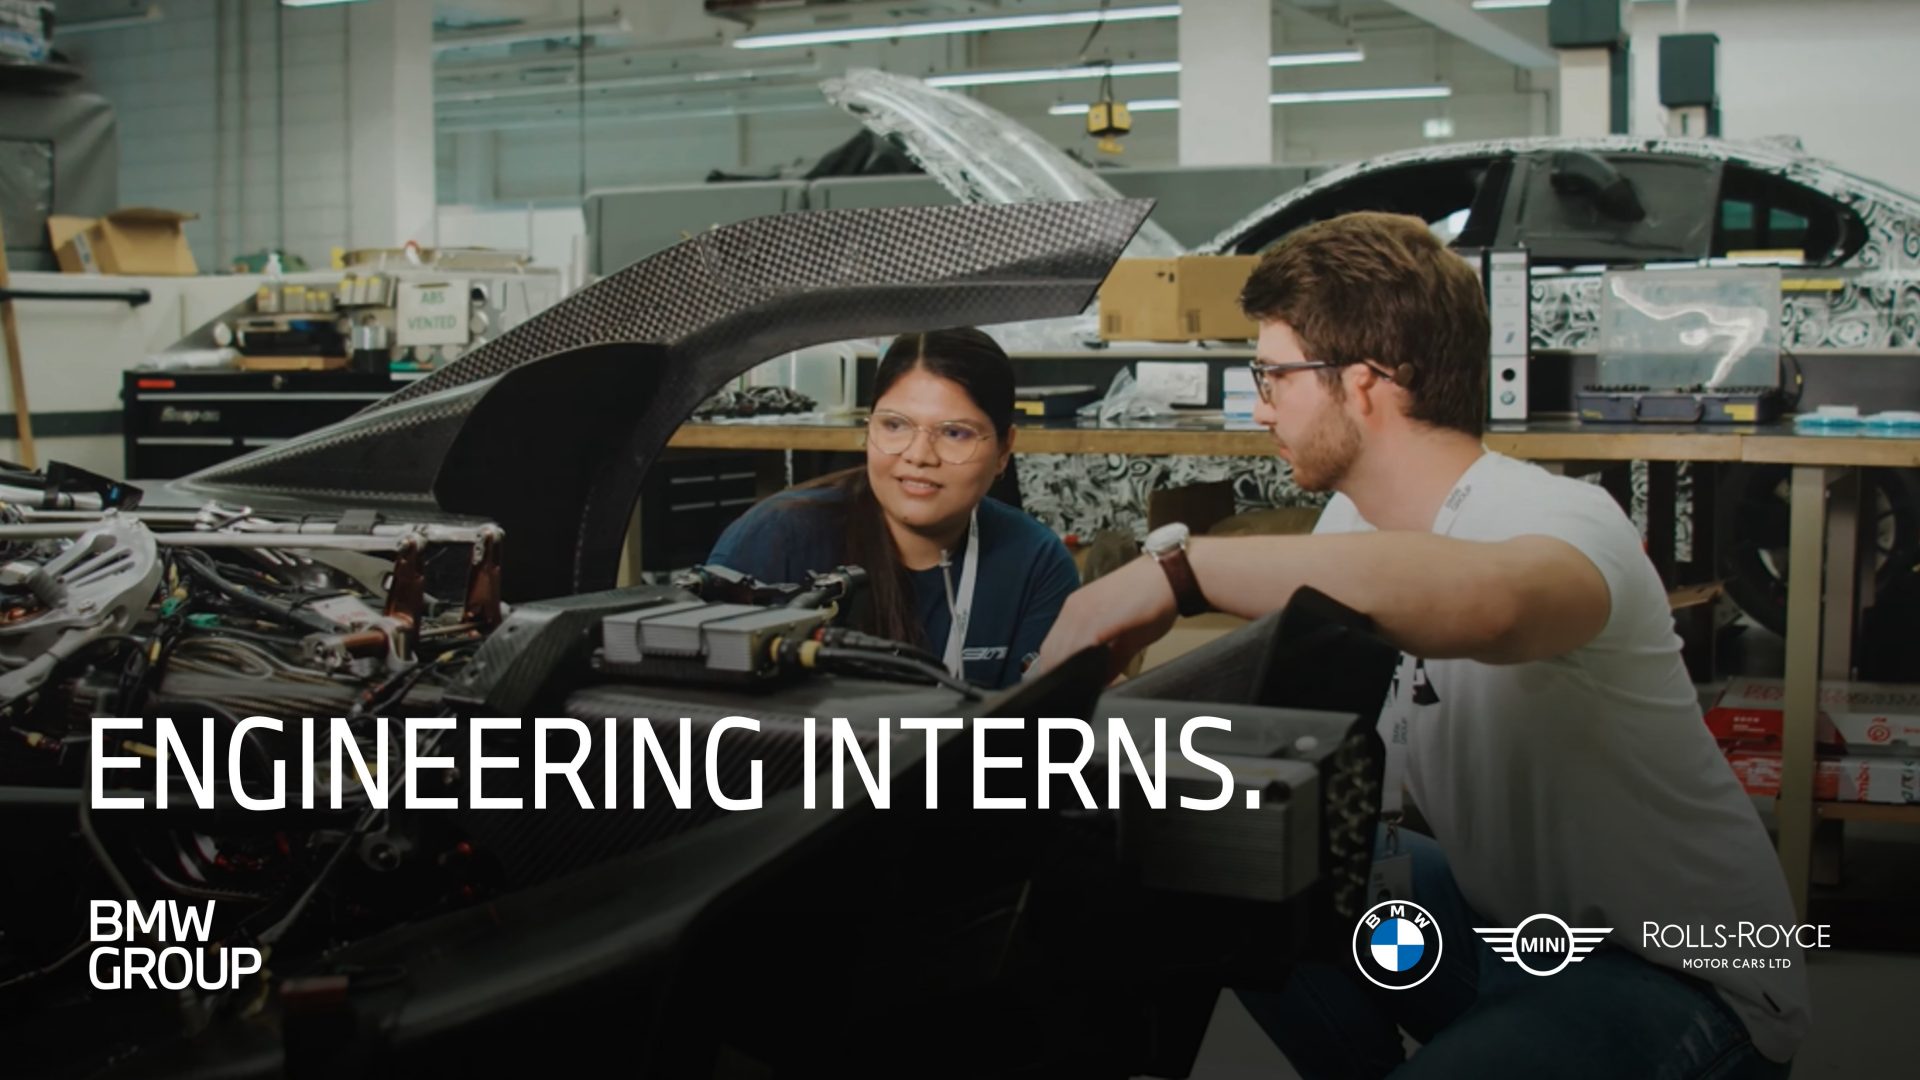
pixel 1543 944
pixel 1397 945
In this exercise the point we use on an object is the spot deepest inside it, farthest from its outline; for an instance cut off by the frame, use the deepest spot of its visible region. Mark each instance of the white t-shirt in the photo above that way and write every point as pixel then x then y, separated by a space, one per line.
pixel 1587 786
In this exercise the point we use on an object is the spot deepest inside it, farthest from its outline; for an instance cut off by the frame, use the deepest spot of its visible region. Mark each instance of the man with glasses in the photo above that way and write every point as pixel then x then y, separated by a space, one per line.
pixel 1542 722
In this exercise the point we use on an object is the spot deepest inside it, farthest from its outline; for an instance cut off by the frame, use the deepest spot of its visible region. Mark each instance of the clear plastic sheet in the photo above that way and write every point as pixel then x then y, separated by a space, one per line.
pixel 976 152
pixel 1712 328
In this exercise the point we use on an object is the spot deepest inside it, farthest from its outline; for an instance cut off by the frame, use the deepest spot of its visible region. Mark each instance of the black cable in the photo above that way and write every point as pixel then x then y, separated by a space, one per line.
pixel 202 567
pixel 839 636
pixel 244 930
pixel 144 669
pixel 257 636
pixel 1799 379
pixel 905 664
pixel 232 721
pixel 1095 32
pixel 260 578
pixel 377 699
pixel 106 639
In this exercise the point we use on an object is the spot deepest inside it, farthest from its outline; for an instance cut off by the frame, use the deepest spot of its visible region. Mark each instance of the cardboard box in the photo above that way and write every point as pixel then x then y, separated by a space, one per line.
pixel 1189 298
pixel 1837 779
pixel 136 240
pixel 1854 718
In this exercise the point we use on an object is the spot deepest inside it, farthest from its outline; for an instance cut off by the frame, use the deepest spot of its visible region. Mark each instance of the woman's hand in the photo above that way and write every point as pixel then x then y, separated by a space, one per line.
pixel 1128 609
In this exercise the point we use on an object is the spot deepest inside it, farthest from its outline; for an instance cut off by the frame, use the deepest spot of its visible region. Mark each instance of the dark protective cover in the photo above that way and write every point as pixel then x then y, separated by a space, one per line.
pixel 550 429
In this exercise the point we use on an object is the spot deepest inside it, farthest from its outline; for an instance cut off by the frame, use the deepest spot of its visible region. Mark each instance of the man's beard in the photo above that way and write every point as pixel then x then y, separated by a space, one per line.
pixel 1323 455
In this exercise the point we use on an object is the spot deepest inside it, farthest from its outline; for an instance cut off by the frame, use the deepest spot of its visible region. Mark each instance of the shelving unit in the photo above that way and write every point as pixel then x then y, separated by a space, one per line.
pixel 1819 634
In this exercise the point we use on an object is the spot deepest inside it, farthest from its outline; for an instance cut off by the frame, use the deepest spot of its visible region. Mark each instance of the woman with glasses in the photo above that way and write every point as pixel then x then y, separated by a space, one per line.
pixel 967 577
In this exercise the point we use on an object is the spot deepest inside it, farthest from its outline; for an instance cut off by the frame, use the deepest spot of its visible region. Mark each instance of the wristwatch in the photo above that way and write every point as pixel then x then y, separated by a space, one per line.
pixel 1168 546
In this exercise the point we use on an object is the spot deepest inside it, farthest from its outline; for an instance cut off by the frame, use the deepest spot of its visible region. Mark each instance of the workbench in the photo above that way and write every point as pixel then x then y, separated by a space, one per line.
pixel 1819 636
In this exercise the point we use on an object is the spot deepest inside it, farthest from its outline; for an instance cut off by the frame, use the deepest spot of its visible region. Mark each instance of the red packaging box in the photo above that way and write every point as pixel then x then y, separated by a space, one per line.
pixel 1835 779
pixel 1855 718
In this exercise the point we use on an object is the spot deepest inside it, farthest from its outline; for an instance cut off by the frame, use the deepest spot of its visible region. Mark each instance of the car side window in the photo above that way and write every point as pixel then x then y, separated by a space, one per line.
pixel 1459 199
pixel 1764 214
pixel 1584 208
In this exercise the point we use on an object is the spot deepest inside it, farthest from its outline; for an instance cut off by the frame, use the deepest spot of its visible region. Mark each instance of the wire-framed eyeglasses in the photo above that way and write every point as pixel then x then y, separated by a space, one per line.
pixel 954 441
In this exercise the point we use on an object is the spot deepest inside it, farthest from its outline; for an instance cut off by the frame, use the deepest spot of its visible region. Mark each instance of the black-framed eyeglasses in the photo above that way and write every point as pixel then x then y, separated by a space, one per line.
pixel 1262 371
pixel 954 441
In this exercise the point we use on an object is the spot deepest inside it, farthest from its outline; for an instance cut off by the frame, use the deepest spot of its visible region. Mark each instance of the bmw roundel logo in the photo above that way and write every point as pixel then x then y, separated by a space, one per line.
pixel 1397 945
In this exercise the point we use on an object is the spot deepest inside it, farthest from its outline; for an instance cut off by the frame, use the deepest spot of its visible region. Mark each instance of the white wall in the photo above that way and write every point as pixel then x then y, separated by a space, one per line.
pixel 196 136
pixel 554 236
pixel 1491 99
pixel 545 162
pixel 1839 73
pixel 1843 75
pixel 1485 102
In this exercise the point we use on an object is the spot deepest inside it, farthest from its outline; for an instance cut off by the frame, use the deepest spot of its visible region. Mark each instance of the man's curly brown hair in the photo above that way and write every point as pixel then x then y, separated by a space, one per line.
pixel 1382 287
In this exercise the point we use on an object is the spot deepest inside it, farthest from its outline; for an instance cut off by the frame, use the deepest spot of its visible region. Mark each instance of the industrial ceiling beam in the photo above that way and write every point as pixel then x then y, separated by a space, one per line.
pixel 1456 18
pixel 481 37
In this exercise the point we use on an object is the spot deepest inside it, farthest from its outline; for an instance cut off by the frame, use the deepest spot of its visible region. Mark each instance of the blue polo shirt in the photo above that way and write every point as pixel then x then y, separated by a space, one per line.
pixel 1024 577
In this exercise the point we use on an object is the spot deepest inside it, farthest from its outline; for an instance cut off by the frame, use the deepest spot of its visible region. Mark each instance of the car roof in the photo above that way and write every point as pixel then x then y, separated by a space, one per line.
pixel 1772 156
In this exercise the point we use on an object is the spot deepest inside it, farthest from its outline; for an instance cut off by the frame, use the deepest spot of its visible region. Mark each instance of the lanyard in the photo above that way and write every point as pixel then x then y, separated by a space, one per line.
pixel 1396 719
pixel 961 608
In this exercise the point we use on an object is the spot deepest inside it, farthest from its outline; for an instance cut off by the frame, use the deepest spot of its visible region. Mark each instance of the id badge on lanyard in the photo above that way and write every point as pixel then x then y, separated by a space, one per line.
pixel 1396 716
pixel 962 602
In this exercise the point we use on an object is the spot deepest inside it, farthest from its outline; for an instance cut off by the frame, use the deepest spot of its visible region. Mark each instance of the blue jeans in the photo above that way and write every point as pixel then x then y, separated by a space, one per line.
pixel 1612 1015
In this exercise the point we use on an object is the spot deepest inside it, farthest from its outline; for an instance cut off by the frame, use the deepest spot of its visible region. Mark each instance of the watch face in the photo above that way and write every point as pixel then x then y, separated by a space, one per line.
pixel 1166 538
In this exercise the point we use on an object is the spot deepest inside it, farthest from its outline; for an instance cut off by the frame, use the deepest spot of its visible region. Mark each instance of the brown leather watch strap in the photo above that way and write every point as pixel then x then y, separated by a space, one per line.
pixel 1186 587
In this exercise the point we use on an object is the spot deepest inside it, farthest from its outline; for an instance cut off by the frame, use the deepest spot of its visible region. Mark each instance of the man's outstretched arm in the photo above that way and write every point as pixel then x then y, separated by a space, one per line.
pixel 1500 602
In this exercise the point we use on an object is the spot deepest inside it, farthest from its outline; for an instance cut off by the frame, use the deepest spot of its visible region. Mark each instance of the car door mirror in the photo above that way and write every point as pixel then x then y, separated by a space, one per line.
pixel 1576 172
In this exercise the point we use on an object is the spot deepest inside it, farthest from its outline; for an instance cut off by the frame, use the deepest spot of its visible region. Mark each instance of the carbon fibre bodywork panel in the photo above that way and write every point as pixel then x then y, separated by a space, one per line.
pixel 550 429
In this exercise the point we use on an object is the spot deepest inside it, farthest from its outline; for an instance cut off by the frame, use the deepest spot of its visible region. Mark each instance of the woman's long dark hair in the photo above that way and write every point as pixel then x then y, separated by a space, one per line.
pixel 978 365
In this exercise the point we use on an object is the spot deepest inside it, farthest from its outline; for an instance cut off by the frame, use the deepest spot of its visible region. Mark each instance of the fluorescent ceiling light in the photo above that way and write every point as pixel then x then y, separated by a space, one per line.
pixel 1120 71
pixel 678 79
pixel 1510 5
pixel 1389 93
pixel 997 78
pixel 316 3
pixel 1308 59
pixel 515 33
pixel 954 26
pixel 1303 97
pixel 1143 105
